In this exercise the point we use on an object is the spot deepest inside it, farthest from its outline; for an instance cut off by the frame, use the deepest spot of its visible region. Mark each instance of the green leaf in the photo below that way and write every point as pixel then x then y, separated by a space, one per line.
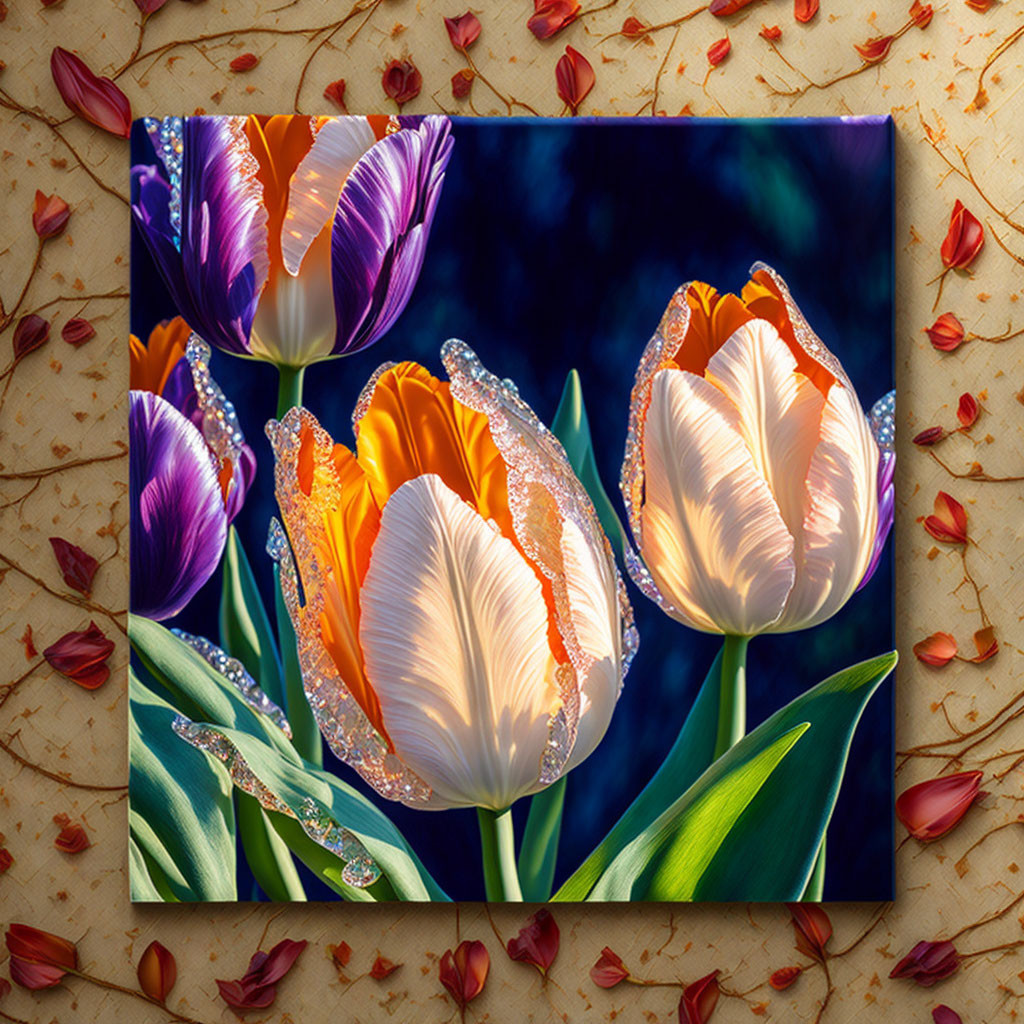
pixel 295 782
pixel 181 810
pixel 572 428
pixel 690 755
pixel 305 732
pixel 786 823
pixel 245 631
pixel 269 859
pixel 143 884
pixel 539 849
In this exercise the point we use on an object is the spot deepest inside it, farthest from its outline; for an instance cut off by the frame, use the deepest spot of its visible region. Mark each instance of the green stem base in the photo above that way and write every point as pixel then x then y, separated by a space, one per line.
pixel 497 842
pixel 732 703
pixel 289 388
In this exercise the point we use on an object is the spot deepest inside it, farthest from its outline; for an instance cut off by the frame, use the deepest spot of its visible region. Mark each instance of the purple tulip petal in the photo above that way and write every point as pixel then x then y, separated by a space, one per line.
pixel 381 228
pixel 886 511
pixel 178 523
pixel 180 391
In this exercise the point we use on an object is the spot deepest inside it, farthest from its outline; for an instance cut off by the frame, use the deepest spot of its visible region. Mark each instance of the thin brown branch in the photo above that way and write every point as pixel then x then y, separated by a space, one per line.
pixel 987 920
pixel 64 780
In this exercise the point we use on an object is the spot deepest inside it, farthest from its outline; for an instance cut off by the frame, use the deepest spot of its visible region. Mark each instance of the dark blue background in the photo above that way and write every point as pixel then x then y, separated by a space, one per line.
pixel 556 245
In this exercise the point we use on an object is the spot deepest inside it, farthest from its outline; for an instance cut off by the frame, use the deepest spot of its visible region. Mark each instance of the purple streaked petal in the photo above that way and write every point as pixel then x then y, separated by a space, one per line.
pixel 178 523
pixel 180 391
pixel 381 227
pixel 886 511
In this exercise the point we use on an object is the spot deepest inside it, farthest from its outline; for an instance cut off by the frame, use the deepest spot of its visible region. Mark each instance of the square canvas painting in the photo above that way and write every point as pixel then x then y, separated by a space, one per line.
pixel 510 509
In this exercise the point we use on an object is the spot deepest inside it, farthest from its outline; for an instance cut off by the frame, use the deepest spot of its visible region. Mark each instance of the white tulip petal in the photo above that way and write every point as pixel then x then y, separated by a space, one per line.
pixel 713 538
pixel 839 531
pixel 590 586
pixel 779 413
pixel 316 184
pixel 454 635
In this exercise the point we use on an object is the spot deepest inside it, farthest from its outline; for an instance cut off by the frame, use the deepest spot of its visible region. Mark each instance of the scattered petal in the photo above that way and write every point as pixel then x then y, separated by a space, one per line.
pixel 257 988
pixel 921 14
pixel 718 51
pixel 980 5
pixel 158 971
pixel 38 959
pixel 812 927
pixel 931 808
pixel 50 215
pixel 462 83
pixel 77 566
pixel 927 963
pixel 537 942
pixel 77 331
pixel 335 93
pixel 875 49
pixel 383 968
pixel 244 62
pixel 723 8
pixel 72 838
pixel 968 410
pixel 31 333
pixel 6 860
pixel 463 31
pixel 930 436
pixel 784 977
pixel 402 81
pixel 699 999
pixel 770 32
pixel 986 644
pixel 964 238
pixel 149 6
pixel 946 334
pixel 340 954
pixel 82 656
pixel 551 16
pixel 805 10
pixel 949 522
pixel 464 971
pixel 936 650
pixel 96 100
pixel 942 1014
pixel 634 28
pixel 609 969
pixel 575 78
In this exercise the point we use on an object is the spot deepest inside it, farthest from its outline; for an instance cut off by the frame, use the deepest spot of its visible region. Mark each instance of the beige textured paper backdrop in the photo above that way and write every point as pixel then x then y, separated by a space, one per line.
pixel 65 403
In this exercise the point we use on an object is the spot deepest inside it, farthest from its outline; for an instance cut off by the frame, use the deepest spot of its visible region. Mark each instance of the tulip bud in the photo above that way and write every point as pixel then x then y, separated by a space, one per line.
pixel 609 969
pixel 537 942
pixel 718 51
pixel 77 331
pixel 937 650
pixel 402 81
pixel 50 216
pixel 95 99
pixel 551 16
pixel 463 31
pixel 930 809
pixel 812 927
pixel 784 977
pixel 874 50
pixel 946 334
pixel 575 78
pixel 699 1000
pixel 31 333
pixel 464 972
pixel 158 972
pixel 38 959
pixel 964 238
pixel 942 1014
pixel 81 656
pixel 927 963
pixel 949 521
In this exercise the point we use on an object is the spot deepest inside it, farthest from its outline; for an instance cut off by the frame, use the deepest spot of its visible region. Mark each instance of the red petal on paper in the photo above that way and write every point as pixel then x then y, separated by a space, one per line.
pixel 77 566
pixel 936 650
pixel 609 969
pixel 949 523
pixel 718 51
pixel 946 334
pixel 402 81
pixel 6 860
pixel 921 14
pixel 634 28
pixel 94 99
pixel 244 62
pixel 382 968
pixel 335 92
pixel 463 30
pixel 31 333
pixel 770 32
pixel 930 436
pixel 942 1014
pixel 537 942
pixel 158 971
pixel 149 6
pixel 928 962
pixel 39 947
pixel 551 16
pixel 72 839
pixel 462 83
pixel 805 10
pixel 699 999
pixel 981 5
pixel 77 331
pixel 341 953
pixel 34 976
pixel 812 927
pixel 875 49
pixel 968 409
pixel 50 215
pixel 784 977
pixel 986 643
pixel 257 988
pixel 464 971
pixel 574 76
pixel 964 238
pixel 82 656
pixel 723 8
pixel 930 809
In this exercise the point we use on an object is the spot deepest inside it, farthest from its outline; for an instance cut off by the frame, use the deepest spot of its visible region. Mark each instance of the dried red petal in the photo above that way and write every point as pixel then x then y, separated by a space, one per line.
pixel 464 971
pixel 937 650
pixel 50 215
pixel 699 999
pixel 537 942
pixel 770 32
pixel 34 976
pixel 77 331
pixel 928 962
pixel 784 977
pixel 244 62
pixel 39 947
pixel 930 436
pixel 257 988
pixel 942 1014
pixel 6 860
pixel 158 971
pixel 921 14
pixel 93 98
pixel 980 5
pixel 335 93
pixel 723 8
pixel 463 30
pixel 72 839
pixel 986 643
pixel 149 6
pixel 383 968
pixel 78 567
pixel 340 954
pixel 634 28
pixel 462 83
pixel 718 51
pixel 968 410
pixel 946 334
pixel 949 523
pixel 574 77
pixel 402 81
pixel 31 333
pixel 609 969
pixel 812 927
pixel 82 656
pixel 964 238
pixel 805 10
pixel 930 809
pixel 875 49
pixel 551 16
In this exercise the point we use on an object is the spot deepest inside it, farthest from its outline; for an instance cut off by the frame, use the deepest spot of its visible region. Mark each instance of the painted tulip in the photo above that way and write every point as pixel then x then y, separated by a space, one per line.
pixel 168 367
pixel 931 808
pixel 464 631
pixel 291 239
pixel 927 963
pixel 751 476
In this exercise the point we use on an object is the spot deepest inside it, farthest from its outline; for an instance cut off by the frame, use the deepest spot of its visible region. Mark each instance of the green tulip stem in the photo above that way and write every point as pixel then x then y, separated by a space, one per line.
pixel 498 850
pixel 289 388
pixel 732 702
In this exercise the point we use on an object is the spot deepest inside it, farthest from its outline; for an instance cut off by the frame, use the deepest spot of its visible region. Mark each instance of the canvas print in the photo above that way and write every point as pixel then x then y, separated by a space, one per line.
pixel 510 509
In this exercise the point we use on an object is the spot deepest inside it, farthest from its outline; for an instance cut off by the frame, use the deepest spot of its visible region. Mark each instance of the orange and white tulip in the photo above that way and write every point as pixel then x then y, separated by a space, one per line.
pixel 751 471
pixel 463 631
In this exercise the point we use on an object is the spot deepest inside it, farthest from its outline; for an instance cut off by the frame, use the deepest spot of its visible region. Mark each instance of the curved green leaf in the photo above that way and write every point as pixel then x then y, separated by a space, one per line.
pixel 538 850
pixel 144 879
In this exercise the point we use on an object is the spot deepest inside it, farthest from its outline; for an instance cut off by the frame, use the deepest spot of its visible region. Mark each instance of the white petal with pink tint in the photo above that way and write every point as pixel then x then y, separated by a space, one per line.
pixel 713 539
pixel 454 635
